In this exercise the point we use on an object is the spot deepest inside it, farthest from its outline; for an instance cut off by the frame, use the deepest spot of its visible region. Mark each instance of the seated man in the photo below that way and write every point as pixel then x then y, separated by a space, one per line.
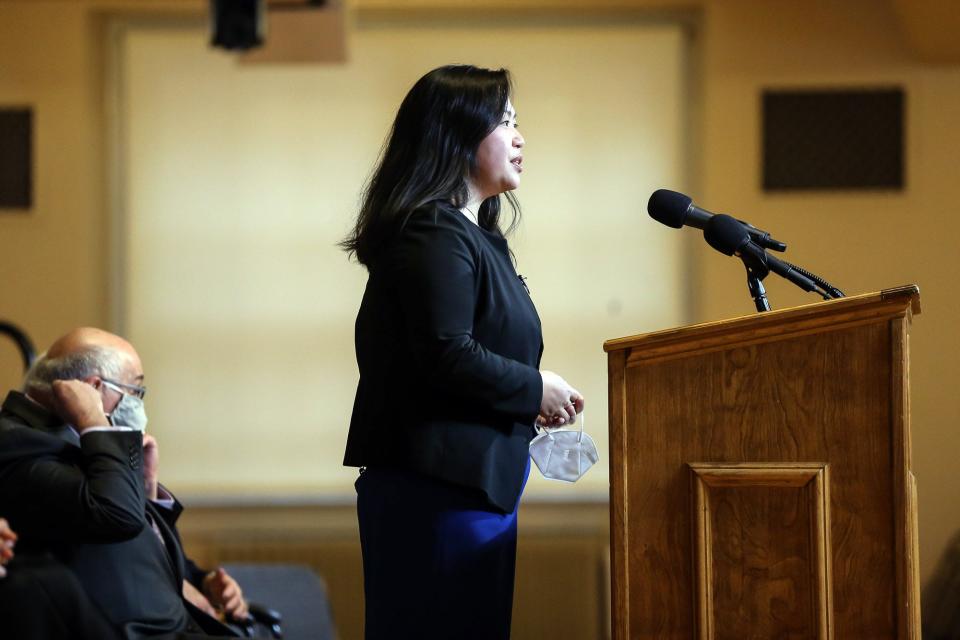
pixel 78 480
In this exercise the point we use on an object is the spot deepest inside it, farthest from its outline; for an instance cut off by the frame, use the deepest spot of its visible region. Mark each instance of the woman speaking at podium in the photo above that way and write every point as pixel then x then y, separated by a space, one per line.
pixel 448 344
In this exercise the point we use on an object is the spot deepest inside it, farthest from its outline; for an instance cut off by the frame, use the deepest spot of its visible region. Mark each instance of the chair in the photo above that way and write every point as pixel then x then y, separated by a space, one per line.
pixel 298 593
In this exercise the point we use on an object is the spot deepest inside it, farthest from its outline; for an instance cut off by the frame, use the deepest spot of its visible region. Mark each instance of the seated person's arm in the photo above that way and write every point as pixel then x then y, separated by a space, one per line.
pixel 96 496
pixel 208 591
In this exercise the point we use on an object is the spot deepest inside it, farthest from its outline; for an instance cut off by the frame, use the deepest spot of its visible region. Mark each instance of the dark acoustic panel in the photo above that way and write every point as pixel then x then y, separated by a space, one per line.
pixel 16 158
pixel 833 139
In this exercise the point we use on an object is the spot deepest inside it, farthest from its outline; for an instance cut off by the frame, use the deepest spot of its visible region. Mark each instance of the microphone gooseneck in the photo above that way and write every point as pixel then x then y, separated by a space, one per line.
pixel 728 236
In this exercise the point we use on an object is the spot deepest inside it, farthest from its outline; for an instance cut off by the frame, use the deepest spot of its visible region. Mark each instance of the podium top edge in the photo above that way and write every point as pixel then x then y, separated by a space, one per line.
pixel 909 291
pixel 906 297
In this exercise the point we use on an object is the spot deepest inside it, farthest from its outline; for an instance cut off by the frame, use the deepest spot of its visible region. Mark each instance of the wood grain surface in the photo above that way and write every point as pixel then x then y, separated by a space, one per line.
pixel 760 476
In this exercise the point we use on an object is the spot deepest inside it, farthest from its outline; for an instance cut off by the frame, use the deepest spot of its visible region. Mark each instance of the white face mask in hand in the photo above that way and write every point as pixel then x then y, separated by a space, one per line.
pixel 563 454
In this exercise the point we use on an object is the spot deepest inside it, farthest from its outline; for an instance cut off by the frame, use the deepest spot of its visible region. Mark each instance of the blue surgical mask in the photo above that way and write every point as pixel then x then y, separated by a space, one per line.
pixel 129 412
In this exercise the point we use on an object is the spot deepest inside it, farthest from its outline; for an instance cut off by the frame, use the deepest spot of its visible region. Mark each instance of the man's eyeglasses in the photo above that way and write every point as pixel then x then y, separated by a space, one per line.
pixel 123 387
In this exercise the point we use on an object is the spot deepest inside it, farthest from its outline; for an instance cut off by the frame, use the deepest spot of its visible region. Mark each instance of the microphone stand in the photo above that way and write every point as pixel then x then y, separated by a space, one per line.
pixel 757 292
pixel 757 270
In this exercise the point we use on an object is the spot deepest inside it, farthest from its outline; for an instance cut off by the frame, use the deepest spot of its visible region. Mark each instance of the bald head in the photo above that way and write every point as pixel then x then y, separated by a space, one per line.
pixel 85 354
pixel 86 338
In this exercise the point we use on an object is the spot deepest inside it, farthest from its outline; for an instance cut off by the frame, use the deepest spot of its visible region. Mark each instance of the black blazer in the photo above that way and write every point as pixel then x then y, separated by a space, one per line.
pixel 86 505
pixel 448 344
pixel 41 598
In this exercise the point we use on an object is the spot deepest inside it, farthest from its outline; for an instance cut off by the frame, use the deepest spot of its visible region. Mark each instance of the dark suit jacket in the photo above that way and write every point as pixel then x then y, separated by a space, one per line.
pixel 448 344
pixel 84 501
pixel 41 598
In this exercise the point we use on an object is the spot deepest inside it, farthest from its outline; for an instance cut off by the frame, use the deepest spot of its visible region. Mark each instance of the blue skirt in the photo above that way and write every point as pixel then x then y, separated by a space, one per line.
pixel 438 562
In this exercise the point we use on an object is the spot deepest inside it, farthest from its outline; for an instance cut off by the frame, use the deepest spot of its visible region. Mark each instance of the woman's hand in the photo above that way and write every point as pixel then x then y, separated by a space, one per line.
pixel 560 403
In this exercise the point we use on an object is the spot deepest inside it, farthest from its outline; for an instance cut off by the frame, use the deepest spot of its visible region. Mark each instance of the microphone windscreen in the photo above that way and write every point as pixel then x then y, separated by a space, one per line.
pixel 725 234
pixel 668 207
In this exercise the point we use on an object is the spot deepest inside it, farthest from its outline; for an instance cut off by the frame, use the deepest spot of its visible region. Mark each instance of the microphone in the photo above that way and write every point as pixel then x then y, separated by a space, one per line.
pixel 731 237
pixel 677 210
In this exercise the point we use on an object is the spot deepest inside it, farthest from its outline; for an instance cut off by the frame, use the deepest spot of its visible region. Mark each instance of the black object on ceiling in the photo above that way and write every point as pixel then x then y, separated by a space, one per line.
pixel 237 25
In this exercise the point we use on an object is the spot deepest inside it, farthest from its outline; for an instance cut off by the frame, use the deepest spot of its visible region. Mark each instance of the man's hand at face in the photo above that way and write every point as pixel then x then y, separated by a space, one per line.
pixel 151 466
pixel 79 404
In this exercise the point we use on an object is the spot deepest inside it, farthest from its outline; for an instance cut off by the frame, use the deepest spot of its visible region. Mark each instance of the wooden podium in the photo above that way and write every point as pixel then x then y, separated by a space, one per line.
pixel 760 476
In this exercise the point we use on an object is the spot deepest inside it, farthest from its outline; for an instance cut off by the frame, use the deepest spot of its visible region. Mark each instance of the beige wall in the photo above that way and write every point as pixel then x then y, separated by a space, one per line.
pixel 54 260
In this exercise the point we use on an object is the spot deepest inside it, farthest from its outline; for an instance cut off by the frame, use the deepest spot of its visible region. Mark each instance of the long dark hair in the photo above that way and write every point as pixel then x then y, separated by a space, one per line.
pixel 430 153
